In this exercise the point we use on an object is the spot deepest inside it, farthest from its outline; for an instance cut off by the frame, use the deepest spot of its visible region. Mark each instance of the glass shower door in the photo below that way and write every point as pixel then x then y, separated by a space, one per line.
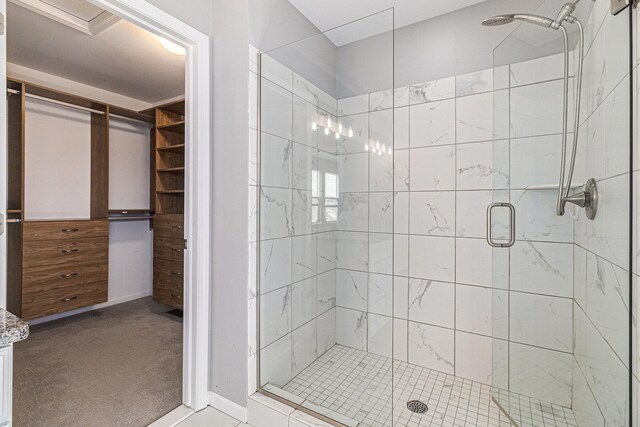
pixel 561 306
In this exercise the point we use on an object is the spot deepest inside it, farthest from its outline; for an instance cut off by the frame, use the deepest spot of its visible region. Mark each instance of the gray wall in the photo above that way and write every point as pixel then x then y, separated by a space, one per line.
pixel 274 27
pixel 226 21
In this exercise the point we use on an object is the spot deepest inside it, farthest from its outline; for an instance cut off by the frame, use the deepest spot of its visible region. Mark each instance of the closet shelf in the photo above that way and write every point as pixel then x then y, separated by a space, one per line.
pixel 14 211
pixel 172 170
pixel 177 127
pixel 170 192
pixel 177 148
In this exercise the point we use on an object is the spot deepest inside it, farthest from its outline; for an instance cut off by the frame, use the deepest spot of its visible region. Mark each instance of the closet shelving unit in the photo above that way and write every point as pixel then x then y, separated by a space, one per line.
pixel 56 265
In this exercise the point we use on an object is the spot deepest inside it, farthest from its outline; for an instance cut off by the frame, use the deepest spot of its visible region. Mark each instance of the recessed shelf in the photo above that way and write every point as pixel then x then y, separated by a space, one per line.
pixel 177 170
pixel 177 148
pixel 177 127
pixel 170 192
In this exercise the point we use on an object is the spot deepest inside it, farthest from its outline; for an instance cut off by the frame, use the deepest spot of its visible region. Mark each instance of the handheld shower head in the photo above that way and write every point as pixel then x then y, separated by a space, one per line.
pixel 507 19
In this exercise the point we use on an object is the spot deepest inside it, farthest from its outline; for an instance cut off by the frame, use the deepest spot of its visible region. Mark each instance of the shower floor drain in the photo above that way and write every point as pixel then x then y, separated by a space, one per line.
pixel 417 406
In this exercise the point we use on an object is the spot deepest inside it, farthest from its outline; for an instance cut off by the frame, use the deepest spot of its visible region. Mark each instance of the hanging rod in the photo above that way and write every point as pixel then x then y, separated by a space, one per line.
pixel 13 91
pixel 66 104
pixel 131 119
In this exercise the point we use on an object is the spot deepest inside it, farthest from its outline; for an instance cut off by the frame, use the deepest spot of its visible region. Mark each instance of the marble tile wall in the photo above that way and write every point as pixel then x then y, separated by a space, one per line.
pixel 296 272
pixel 601 251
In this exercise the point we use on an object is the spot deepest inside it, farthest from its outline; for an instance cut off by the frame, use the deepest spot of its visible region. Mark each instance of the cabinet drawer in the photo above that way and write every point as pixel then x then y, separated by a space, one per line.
pixel 59 300
pixel 43 278
pixel 167 248
pixel 61 230
pixel 168 225
pixel 69 251
pixel 168 271
pixel 168 293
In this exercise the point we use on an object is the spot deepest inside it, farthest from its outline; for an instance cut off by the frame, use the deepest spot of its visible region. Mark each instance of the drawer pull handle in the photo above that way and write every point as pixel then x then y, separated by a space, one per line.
pixel 70 230
pixel 176 296
pixel 68 299
pixel 69 251
pixel 176 273
pixel 178 227
pixel 176 250
pixel 69 275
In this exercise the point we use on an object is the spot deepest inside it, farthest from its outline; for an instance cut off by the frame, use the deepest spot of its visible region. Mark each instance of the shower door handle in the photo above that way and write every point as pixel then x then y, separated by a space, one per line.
pixel 512 225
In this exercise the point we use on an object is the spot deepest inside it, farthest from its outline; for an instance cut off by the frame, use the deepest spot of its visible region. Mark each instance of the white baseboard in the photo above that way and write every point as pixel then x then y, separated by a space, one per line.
pixel 109 303
pixel 174 417
pixel 228 407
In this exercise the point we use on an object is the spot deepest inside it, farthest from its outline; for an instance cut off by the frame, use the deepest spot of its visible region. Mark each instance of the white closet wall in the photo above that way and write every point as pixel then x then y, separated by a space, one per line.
pixel 130 242
pixel 57 162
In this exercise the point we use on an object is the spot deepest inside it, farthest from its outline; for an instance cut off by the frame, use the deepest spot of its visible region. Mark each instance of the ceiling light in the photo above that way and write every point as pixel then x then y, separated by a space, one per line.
pixel 172 47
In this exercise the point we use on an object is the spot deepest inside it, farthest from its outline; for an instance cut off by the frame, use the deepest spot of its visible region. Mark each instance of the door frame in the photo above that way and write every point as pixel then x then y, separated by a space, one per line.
pixel 197 278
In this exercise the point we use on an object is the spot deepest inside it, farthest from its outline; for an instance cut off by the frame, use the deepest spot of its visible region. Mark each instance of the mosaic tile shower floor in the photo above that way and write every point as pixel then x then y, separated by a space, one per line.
pixel 357 385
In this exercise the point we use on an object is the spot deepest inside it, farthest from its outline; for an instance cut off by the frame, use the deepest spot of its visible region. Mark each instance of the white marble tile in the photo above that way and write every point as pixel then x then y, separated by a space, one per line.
pixel 326 291
pixel 381 127
pixel 353 171
pixel 381 253
pixel 351 327
pixel 432 258
pixel 401 177
pixel 275 72
pixel 536 160
pixel 305 160
pixel 304 115
pixel 474 309
pixel 303 302
pixel 380 294
pixel 401 255
pixel 401 297
pixel 253 58
pixel 303 345
pixel 380 335
pixel 327 141
pixel 580 276
pixel 326 251
pixel 253 157
pixel 252 319
pixel 471 207
pixel 275 315
pixel 353 212
pixel 356 125
pixel 538 70
pixel 275 264
pixel 432 123
pixel 353 105
pixel 276 110
pixel 381 100
pixel 607 304
pixel 400 128
pixel 304 254
pixel 433 168
pixel 306 90
pixel 276 161
pixel 540 373
pixel 432 302
pixel 275 363
pixel 542 268
pixel 583 404
pixel 431 347
pixel 501 77
pixel 537 109
pixel 501 114
pixel 401 96
pixel 352 250
pixel 474 357
pixel 536 218
pixel 474 262
pixel 302 218
pixel 326 335
pixel 432 91
pixel 381 212
pixel 476 82
pixel 400 339
pixel 275 217
pixel 381 175
pixel 351 289
pixel 542 321
pixel 401 213
pixel 474 118
pixel 432 213
pixel 483 165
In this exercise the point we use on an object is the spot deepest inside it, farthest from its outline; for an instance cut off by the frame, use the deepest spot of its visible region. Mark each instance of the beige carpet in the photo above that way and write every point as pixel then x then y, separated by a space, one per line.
pixel 118 366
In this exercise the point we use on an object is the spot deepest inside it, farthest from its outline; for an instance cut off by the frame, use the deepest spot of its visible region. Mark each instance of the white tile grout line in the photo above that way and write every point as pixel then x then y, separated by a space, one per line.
pixel 357 385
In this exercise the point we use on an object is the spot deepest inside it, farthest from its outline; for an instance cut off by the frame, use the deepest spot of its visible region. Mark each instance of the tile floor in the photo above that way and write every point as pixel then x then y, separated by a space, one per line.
pixel 357 385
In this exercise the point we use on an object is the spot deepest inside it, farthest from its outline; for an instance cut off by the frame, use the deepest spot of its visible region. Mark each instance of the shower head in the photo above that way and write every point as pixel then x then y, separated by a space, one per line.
pixel 507 19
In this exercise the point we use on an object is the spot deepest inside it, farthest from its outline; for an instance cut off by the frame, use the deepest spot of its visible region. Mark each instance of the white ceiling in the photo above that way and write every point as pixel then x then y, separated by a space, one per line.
pixel 328 14
pixel 124 58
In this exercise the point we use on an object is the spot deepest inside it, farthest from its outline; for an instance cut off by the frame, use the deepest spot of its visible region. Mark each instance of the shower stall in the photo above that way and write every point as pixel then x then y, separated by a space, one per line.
pixel 420 258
